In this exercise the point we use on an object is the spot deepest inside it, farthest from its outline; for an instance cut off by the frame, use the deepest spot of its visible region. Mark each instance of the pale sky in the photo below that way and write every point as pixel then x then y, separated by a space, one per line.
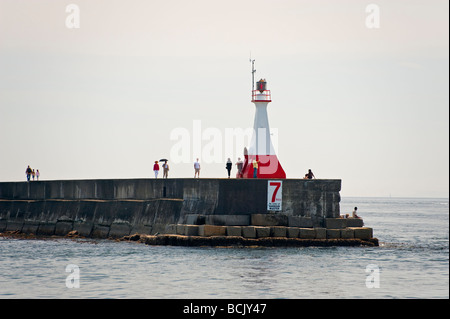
pixel 369 106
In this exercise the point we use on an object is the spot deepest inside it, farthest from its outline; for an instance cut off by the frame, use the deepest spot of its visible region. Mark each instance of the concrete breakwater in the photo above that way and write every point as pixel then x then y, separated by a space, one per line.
pixel 120 207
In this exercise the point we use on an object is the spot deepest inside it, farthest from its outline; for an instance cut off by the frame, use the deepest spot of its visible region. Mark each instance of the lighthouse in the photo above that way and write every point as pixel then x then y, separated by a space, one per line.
pixel 261 152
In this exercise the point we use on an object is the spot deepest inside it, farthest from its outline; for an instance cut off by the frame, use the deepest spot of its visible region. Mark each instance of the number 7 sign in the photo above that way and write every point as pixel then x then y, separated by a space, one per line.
pixel 274 195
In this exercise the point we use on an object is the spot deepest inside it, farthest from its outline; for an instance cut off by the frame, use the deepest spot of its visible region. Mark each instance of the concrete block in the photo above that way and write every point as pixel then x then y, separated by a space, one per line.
pixel 118 230
pixel 335 223
pixel 307 233
pixel 191 230
pixel 355 222
pixel 234 231
pixel 46 228
pixel 347 233
pixel 30 227
pixel 171 229
pixel 228 220
pixel 158 228
pixel 269 220
pixel 292 232
pixel 333 233
pixel 2 225
pixel 278 231
pixel 363 232
pixel 100 231
pixel 83 228
pixel 300 221
pixel 180 229
pixel 190 219
pixel 211 230
pixel 262 231
pixel 13 226
pixel 141 229
pixel 321 233
pixel 194 219
pixel 62 228
pixel 249 231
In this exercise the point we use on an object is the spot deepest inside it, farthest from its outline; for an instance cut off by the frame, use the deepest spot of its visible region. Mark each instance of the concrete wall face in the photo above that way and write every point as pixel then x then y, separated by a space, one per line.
pixel 121 206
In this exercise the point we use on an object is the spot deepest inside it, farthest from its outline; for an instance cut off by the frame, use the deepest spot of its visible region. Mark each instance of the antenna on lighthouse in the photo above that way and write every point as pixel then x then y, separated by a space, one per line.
pixel 253 72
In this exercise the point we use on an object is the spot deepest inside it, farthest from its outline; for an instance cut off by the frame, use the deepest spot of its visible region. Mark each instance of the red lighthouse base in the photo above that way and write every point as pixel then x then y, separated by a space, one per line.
pixel 268 167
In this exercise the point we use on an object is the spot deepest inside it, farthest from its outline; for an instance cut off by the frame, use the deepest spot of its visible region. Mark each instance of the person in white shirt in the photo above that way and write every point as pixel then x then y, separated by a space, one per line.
pixel 197 169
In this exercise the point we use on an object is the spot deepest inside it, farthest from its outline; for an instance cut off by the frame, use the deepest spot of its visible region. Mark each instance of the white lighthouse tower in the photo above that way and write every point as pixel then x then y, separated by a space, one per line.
pixel 261 148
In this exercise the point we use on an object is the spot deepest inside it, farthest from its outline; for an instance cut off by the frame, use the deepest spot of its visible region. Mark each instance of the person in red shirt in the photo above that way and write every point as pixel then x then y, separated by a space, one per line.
pixel 156 169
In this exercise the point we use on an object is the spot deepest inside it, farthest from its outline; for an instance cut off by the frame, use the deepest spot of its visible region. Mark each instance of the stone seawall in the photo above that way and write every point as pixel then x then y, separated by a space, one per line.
pixel 120 207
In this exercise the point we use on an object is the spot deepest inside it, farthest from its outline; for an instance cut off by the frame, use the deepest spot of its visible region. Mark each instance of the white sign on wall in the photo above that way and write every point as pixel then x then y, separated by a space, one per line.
pixel 274 194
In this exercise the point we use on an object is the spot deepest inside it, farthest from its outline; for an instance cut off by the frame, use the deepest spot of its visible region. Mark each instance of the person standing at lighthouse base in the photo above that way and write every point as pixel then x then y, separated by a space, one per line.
pixel 255 168
pixel 239 165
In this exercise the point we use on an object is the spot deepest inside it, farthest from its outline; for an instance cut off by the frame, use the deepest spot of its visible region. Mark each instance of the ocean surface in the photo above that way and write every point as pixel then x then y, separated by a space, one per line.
pixel 412 261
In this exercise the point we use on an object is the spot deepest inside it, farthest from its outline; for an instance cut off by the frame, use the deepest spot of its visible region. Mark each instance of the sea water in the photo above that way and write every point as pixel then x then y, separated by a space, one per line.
pixel 411 262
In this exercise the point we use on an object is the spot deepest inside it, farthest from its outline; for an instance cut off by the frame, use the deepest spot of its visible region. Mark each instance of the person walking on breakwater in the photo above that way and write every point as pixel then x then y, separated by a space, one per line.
pixel 228 166
pixel 255 168
pixel 33 174
pixel 165 169
pixel 197 169
pixel 239 165
pixel 28 172
pixel 310 174
pixel 156 169
pixel 37 174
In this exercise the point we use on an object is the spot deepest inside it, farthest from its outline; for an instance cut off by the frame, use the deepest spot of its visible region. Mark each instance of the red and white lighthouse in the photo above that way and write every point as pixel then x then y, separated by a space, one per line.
pixel 261 152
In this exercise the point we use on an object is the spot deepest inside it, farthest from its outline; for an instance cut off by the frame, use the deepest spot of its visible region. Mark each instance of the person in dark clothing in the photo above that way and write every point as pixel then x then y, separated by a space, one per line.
pixel 228 167
pixel 28 172
pixel 310 174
